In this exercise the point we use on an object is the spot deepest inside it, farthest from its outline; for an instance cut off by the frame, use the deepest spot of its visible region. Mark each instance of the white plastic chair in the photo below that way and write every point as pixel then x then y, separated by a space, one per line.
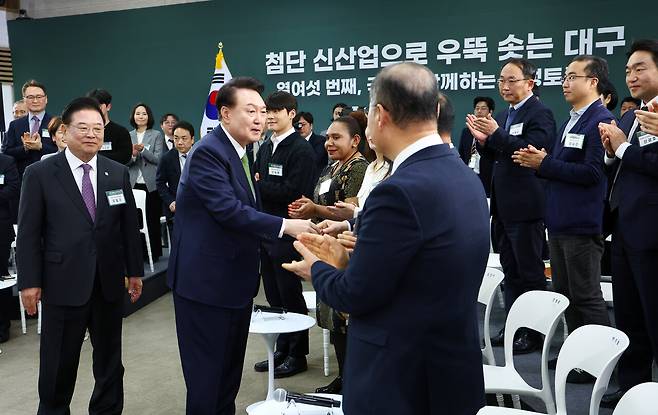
pixel 596 350
pixel 310 298
pixel 490 282
pixel 140 202
pixel 641 399
pixel 539 311
pixel 12 252
pixel 606 289
pixel 23 321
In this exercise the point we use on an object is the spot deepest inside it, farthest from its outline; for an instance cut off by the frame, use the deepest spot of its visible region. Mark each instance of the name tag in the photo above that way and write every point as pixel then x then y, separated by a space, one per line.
pixel 646 139
pixel 474 163
pixel 574 140
pixel 115 197
pixel 45 133
pixel 2 179
pixel 516 129
pixel 275 169
pixel 107 146
pixel 324 186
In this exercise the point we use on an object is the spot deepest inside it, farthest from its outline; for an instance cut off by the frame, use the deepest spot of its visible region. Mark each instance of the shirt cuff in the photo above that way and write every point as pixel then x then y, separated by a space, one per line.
pixel 621 150
pixel 349 226
pixel 283 227
pixel 609 161
pixel 356 211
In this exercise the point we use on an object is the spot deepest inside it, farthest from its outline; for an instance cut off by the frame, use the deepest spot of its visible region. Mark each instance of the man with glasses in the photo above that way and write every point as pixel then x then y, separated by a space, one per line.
pixel 575 191
pixel 517 194
pixel 476 157
pixel 303 123
pixel 27 138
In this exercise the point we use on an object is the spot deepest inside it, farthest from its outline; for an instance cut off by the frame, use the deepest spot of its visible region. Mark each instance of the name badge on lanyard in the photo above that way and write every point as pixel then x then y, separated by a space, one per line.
pixel 107 146
pixel 324 186
pixel 275 169
pixel 115 197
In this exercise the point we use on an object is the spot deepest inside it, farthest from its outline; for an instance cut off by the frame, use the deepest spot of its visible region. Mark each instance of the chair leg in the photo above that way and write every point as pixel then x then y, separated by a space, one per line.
pixel 501 297
pixel 325 350
pixel 500 399
pixel 22 309
pixel 516 400
pixel 148 249
pixel 565 329
pixel 39 318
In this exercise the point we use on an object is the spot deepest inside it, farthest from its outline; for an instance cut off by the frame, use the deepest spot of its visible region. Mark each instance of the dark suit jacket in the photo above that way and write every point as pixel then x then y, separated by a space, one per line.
pixel 214 257
pixel 411 291
pixel 59 247
pixel 487 156
pixel 637 183
pixel 122 146
pixel 13 144
pixel 9 191
pixel 517 194
pixel 167 179
pixel 576 185
pixel 321 157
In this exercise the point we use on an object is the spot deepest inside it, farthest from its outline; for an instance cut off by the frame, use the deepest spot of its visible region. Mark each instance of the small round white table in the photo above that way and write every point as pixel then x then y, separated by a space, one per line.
pixel 271 407
pixel 5 284
pixel 270 325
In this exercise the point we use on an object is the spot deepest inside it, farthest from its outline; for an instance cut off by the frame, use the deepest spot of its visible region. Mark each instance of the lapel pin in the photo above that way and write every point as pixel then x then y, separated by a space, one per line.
pixel 106 174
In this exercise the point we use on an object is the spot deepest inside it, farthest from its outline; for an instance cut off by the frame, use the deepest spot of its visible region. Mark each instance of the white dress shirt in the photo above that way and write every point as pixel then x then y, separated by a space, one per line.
pixel 276 139
pixel 619 153
pixel 420 144
pixel 182 158
pixel 40 116
pixel 520 104
pixel 169 141
pixel 76 168
pixel 575 116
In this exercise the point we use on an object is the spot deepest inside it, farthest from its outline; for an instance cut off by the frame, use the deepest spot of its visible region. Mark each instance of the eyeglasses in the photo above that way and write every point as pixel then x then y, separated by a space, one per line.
pixel 84 130
pixel 571 77
pixel 510 81
pixel 34 97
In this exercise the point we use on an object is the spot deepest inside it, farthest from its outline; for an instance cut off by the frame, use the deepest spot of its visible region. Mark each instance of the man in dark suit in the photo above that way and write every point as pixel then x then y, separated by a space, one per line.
pixel 213 267
pixel 633 201
pixel 170 167
pixel 517 194
pixel 27 138
pixel 117 145
pixel 78 238
pixel 284 168
pixel 411 284
pixel 9 190
pixel 303 123
pixel 477 157
pixel 575 191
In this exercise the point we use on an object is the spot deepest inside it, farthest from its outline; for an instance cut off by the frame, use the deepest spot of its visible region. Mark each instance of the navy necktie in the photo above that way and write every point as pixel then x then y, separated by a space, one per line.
pixel 510 118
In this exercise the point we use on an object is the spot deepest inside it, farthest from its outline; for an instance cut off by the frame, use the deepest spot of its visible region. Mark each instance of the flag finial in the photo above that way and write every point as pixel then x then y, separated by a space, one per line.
pixel 220 45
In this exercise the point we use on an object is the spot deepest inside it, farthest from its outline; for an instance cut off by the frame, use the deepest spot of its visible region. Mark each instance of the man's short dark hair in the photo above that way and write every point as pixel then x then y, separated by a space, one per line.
pixel 487 100
pixel 408 91
pixel 307 116
pixel 79 104
pixel 149 114
pixel 446 119
pixel 280 100
pixel 636 101
pixel 339 105
pixel 226 94
pixel 33 83
pixel 100 95
pixel 185 126
pixel 645 45
pixel 167 115
pixel 606 88
pixel 596 67
pixel 528 69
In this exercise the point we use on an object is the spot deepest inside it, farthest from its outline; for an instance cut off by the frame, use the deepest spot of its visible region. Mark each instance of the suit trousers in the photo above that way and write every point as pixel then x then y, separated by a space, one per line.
pixel 520 245
pixel 635 290
pixel 576 269
pixel 212 342
pixel 6 296
pixel 284 289
pixel 63 331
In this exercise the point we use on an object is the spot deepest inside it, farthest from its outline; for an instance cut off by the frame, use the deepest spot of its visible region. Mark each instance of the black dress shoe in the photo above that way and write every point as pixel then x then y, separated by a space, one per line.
pixel 290 366
pixel 580 376
pixel 610 400
pixel 526 342
pixel 262 366
pixel 4 337
pixel 499 339
pixel 335 387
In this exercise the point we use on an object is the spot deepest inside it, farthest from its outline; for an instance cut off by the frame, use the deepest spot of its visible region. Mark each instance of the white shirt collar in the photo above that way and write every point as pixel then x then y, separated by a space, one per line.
pixel 238 148
pixel 38 114
pixel 276 139
pixel 520 104
pixel 75 162
pixel 410 150
pixel 308 137
pixel 581 111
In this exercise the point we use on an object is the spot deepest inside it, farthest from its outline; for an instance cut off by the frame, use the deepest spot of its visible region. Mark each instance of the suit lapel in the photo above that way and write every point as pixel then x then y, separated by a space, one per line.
pixel 236 164
pixel 65 177
pixel 102 185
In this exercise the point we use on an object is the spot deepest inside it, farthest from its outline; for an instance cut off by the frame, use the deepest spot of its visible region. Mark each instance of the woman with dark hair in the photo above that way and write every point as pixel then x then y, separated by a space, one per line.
pixel 57 134
pixel 148 146
pixel 340 181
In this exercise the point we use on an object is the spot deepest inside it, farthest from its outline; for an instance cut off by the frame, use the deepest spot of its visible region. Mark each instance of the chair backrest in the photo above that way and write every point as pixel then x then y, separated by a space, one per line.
pixel 490 282
pixel 594 349
pixel 140 202
pixel 641 399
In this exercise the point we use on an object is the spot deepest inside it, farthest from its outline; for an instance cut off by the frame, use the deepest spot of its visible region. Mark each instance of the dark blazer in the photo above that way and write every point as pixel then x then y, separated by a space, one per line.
pixel 637 182
pixel 321 157
pixel 122 146
pixel 167 179
pixel 13 144
pixel 298 161
pixel 487 156
pixel 414 294
pixel 214 257
pixel 576 185
pixel 9 191
pixel 517 194
pixel 59 247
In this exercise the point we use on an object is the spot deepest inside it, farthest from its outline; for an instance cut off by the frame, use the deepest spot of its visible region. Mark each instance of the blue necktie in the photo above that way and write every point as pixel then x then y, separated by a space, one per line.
pixel 510 118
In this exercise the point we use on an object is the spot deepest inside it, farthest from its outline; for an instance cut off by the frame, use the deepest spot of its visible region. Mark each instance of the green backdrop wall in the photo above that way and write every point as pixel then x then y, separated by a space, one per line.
pixel 165 56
